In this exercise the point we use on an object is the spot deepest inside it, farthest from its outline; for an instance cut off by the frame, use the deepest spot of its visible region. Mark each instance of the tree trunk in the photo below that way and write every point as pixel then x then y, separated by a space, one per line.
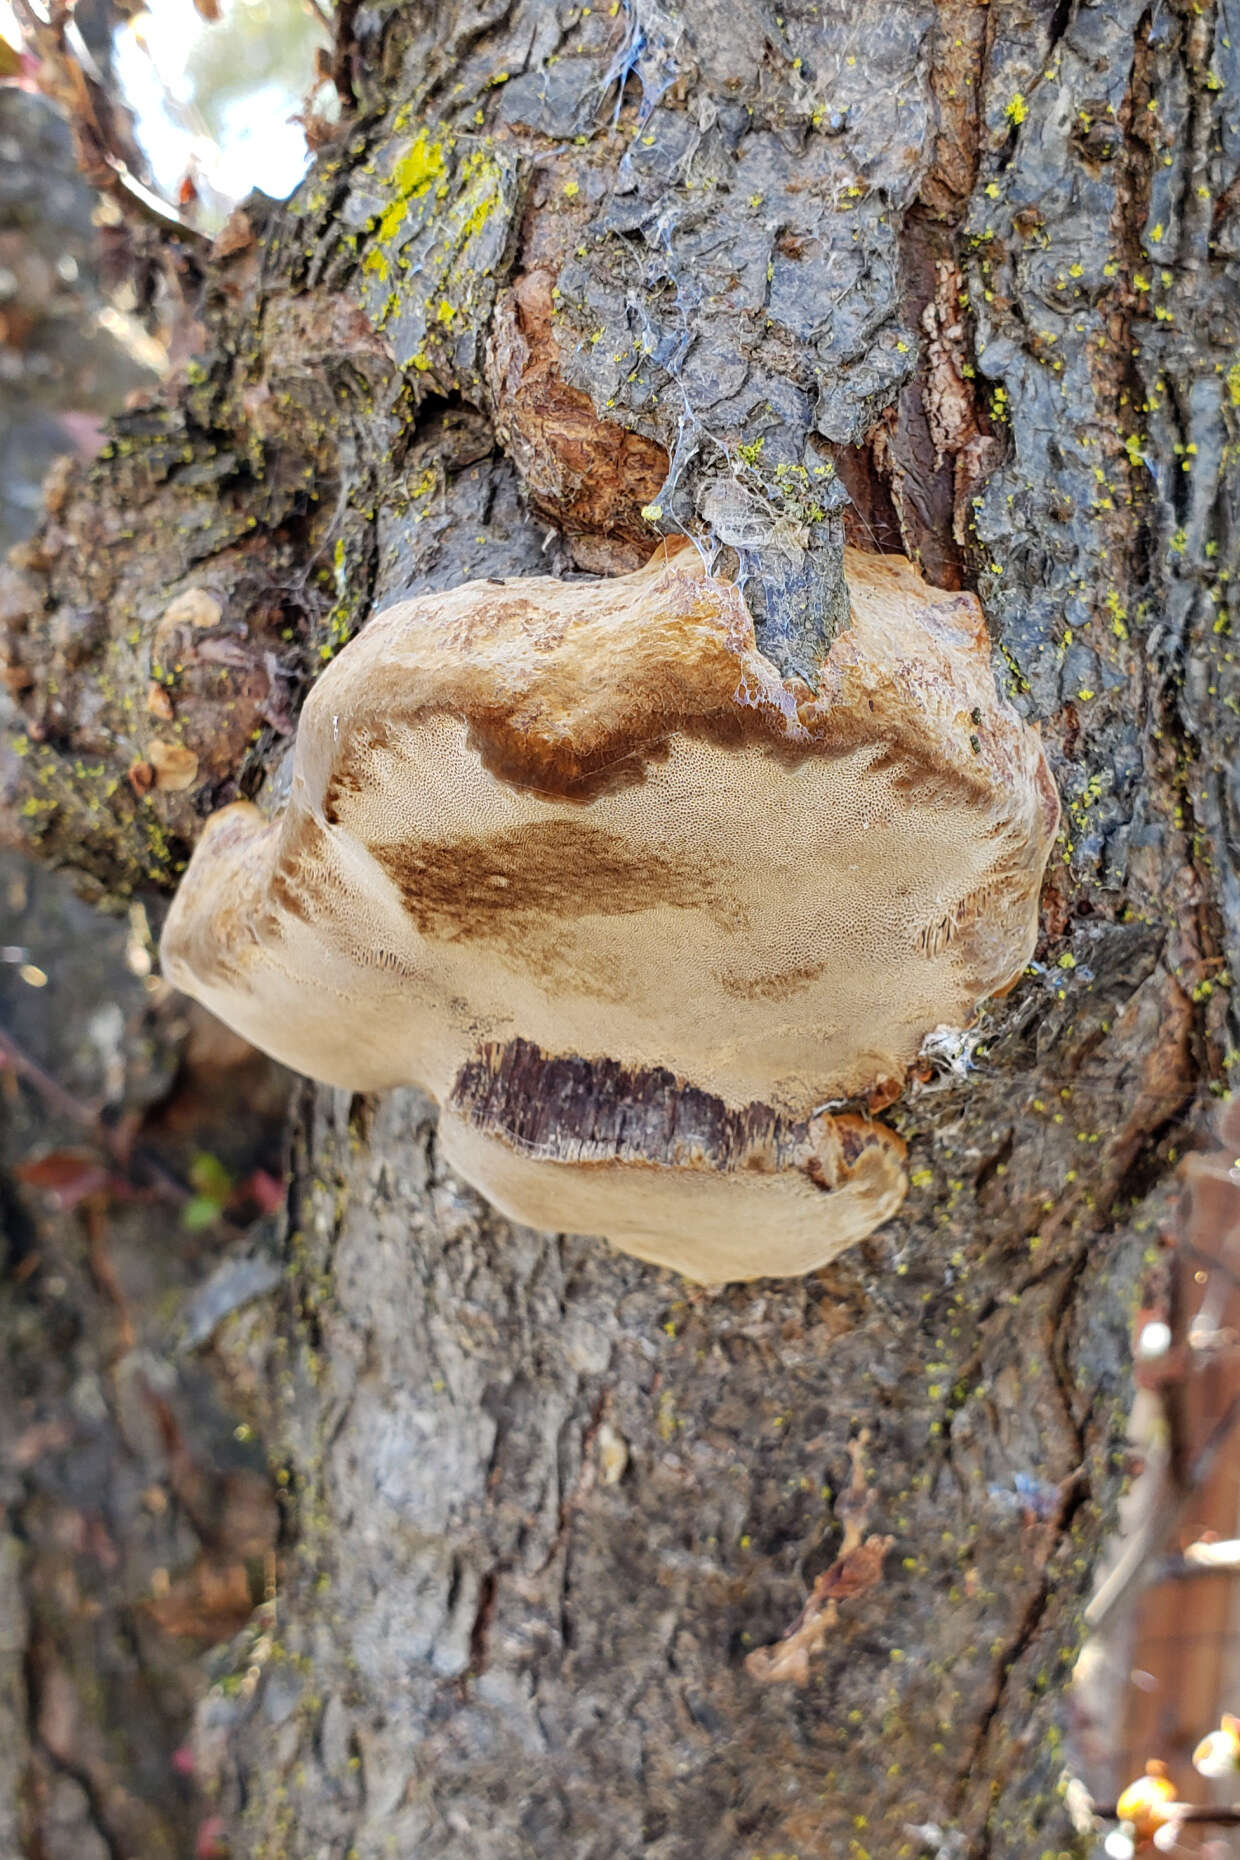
pixel 974 264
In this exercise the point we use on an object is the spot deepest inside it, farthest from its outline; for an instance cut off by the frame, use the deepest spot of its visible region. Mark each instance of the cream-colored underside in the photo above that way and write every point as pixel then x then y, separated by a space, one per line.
pixel 817 954
pixel 713 1228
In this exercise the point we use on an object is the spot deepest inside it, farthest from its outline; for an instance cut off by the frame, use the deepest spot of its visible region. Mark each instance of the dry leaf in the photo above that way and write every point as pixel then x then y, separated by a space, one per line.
pixel 787 1661
pixel 36 1441
pixel 234 235
pixel 209 1602
pixel 141 778
pixel 67 1176
pixel 158 703
pixel 265 1190
pixel 854 1573
pixel 176 767
pixel 211 1841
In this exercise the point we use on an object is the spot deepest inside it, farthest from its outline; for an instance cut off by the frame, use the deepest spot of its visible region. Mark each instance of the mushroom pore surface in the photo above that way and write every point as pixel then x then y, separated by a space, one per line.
pixel 577 845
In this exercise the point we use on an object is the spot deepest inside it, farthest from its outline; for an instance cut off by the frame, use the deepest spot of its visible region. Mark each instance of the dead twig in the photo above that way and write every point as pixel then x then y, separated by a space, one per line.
pixel 67 73
pixel 134 1161
pixel 1199 1812
pixel 48 1088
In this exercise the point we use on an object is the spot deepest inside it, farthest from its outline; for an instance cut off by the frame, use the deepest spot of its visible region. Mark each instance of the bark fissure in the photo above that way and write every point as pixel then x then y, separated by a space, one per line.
pixel 1025 1637
pixel 60 1763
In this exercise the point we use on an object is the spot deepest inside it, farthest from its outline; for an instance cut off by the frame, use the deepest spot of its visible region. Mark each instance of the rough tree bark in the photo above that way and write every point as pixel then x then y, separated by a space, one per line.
pixel 563 266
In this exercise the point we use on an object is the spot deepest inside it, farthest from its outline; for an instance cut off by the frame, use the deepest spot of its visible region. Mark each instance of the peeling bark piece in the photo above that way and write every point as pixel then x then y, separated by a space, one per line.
pixel 665 1171
pixel 592 816
pixel 589 476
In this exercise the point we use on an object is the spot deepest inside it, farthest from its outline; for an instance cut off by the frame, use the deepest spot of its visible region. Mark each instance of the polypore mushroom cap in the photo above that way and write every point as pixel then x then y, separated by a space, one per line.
pixel 591 816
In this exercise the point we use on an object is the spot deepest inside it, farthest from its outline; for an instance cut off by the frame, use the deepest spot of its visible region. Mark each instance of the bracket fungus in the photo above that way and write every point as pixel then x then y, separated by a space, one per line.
pixel 575 858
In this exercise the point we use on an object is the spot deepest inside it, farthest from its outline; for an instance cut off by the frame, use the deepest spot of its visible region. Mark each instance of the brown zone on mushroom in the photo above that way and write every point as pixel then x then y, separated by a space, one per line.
pixel 572 708
pixel 582 771
pixel 778 986
pixel 549 729
pixel 500 886
pixel 304 882
pixel 568 1108
pixel 987 900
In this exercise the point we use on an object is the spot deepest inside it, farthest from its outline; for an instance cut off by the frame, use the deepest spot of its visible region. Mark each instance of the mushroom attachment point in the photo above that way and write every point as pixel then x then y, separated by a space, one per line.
pixel 573 857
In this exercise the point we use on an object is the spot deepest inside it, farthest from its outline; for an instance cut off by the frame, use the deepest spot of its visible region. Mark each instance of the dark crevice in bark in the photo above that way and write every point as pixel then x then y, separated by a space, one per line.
pixel 483 1616
pixel 61 1765
pixel 1060 20
pixel 870 519
pixel 1058 1344
pixel 1022 1640
pixel 343 49
pixel 1075 1494
pixel 995 1162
